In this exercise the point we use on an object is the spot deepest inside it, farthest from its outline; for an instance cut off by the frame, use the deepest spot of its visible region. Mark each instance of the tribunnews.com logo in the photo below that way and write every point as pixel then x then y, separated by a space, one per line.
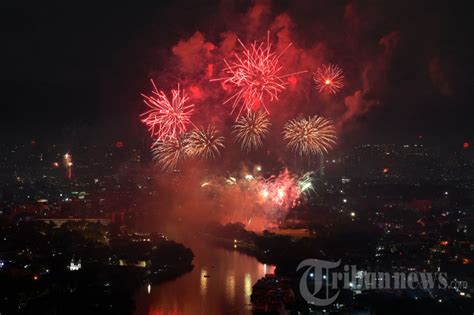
pixel 318 275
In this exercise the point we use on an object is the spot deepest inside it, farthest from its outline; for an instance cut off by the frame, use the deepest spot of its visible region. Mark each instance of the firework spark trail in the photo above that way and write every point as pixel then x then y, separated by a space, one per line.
pixel 167 119
pixel 255 73
pixel 67 159
pixel 250 130
pixel 315 135
pixel 329 79
pixel 204 143
pixel 168 154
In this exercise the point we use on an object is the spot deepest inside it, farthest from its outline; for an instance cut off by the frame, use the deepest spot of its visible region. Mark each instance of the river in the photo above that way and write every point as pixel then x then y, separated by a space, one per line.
pixel 220 283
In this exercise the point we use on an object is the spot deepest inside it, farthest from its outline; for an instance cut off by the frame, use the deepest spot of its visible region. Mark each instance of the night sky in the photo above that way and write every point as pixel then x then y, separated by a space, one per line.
pixel 72 68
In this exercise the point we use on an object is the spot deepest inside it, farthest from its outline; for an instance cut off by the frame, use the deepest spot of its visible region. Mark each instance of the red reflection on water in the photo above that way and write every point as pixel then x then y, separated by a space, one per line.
pixel 226 288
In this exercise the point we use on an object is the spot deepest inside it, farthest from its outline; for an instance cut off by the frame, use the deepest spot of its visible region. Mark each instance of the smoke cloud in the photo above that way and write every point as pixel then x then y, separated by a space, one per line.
pixel 438 76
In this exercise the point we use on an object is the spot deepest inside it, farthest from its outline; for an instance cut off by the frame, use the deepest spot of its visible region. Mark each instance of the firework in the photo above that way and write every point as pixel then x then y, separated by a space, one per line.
pixel 250 130
pixel 329 79
pixel 250 197
pixel 67 159
pixel 231 180
pixel 282 190
pixel 315 135
pixel 168 154
pixel 204 143
pixel 167 119
pixel 305 182
pixel 256 74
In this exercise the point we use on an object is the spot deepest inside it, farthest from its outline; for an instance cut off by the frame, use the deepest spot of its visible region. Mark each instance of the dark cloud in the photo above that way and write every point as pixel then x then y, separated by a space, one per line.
pixel 373 79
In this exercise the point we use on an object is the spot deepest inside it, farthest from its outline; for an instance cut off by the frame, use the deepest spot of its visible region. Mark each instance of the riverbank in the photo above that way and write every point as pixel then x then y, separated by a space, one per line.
pixel 351 247
pixel 82 267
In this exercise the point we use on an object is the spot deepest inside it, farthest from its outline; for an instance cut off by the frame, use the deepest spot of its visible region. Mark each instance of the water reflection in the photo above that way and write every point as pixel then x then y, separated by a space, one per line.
pixel 230 287
pixel 247 287
pixel 226 290
pixel 203 281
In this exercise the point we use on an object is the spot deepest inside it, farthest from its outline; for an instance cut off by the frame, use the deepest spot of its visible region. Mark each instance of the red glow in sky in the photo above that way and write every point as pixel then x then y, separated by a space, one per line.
pixel 196 92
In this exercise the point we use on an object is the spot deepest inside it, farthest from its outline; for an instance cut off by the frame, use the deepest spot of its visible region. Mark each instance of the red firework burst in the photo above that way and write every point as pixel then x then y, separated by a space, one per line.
pixel 256 75
pixel 282 190
pixel 329 79
pixel 167 119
